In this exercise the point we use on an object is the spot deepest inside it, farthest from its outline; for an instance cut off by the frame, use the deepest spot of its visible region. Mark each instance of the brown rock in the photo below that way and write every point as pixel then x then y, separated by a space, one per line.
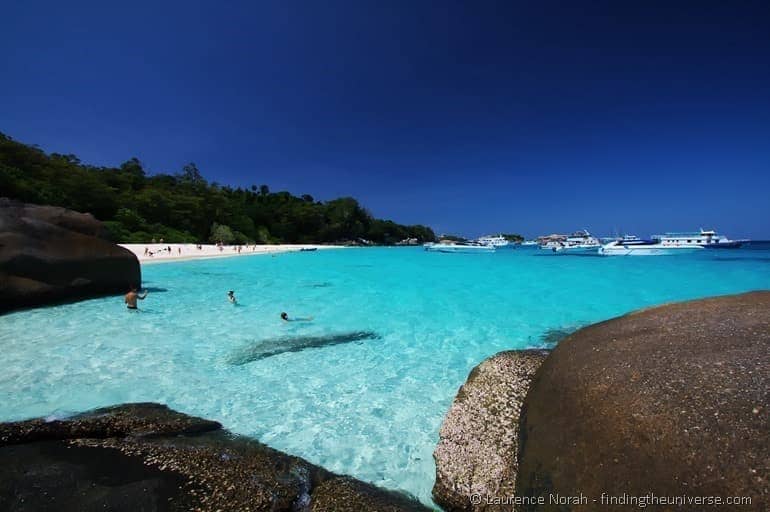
pixel 477 450
pixel 139 419
pixel 671 400
pixel 50 254
pixel 345 494
pixel 149 457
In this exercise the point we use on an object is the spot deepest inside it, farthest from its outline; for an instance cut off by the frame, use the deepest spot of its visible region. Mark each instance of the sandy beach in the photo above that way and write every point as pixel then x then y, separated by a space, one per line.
pixel 159 253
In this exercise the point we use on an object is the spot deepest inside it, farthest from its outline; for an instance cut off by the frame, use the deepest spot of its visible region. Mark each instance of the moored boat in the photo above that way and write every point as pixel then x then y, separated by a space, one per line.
pixel 495 241
pixel 459 247
pixel 708 239
pixel 634 246
pixel 579 242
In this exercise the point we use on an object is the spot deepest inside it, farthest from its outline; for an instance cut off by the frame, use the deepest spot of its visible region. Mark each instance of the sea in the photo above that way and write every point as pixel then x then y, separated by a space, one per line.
pixel 383 339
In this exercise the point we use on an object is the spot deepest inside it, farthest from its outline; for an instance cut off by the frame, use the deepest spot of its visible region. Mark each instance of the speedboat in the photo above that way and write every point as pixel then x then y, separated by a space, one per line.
pixel 466 247
pixel 633 246
pixel 705 238
pixel 494 241
pixel 528 243
pixel 580 242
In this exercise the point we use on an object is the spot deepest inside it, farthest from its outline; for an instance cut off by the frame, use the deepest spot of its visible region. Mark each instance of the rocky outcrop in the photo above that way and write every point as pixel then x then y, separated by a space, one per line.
pixel 476 457
pixel 671 401
pixel 50 254
pixel 148 457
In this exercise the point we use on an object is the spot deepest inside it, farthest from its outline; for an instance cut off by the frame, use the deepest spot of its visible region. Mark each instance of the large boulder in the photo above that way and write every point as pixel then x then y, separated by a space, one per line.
pixel 665 402
pixel 476 457
pixel 50 254
pixel 148 457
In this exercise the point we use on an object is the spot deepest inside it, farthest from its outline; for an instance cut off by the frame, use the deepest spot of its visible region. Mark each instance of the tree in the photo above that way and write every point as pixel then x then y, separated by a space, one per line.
pixel 184 207
pixel 221 233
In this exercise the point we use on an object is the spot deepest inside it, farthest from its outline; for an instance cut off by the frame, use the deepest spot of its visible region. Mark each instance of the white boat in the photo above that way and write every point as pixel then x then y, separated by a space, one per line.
pixel 634 246
pixel 528 243
pixel 459 247
pixel 495 241
pixel 579 242
pixel 708 239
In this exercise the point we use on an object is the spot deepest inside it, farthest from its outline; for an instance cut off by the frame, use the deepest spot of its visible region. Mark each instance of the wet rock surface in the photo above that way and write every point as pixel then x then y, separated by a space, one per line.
pixel 670 400
pixel 477 450
pixel 50 254
pixel 148 457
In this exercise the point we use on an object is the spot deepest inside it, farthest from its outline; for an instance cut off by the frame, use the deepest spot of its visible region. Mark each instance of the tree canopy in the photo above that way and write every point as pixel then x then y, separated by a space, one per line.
pixel 185 207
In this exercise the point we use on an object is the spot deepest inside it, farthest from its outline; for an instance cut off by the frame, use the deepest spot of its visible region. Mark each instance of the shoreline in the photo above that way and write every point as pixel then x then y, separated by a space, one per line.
pixel 158 253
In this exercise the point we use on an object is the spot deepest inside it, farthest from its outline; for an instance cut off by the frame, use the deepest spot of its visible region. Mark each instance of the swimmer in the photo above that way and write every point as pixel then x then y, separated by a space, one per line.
pixel 132 296
pixel 285 318
pixel 231 297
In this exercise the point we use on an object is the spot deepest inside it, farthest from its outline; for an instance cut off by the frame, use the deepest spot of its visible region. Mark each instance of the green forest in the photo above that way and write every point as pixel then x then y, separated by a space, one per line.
pixel 136 206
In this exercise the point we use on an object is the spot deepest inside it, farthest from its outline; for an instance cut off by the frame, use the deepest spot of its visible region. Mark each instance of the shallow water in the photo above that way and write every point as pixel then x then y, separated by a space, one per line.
pixel 362 389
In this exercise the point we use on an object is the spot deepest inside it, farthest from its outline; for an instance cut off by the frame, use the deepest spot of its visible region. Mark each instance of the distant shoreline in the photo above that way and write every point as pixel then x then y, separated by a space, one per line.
pixel 187 252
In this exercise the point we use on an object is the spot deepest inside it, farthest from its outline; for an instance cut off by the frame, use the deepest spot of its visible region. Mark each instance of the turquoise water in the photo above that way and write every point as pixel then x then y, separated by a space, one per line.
pixel 372 407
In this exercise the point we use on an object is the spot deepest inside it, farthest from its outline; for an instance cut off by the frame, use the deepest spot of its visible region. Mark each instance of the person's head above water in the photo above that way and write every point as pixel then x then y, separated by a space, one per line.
pixel 230 292
pixel 284 316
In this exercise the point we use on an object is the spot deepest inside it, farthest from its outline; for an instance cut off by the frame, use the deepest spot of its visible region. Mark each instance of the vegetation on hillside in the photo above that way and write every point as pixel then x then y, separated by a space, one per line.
pixel 184 207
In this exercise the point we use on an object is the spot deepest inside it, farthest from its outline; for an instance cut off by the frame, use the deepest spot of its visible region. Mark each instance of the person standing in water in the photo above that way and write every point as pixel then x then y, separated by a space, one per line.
pixel 132 296
pixel 231 297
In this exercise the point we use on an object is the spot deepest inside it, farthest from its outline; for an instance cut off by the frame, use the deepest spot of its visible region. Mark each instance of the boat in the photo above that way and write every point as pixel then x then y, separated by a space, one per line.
pixel 579 242
pixel 708 239
pixel 631 245
pixel 308 249
pixel 528 243
pixel 551 242
pixel 467 247
pixel 495 241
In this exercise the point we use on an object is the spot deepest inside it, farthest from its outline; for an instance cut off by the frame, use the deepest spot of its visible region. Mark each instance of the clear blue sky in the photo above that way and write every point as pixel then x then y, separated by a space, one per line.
pixel 471 117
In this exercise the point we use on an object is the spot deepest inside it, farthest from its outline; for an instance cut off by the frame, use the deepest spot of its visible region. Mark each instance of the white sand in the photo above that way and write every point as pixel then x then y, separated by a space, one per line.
pixel 159 252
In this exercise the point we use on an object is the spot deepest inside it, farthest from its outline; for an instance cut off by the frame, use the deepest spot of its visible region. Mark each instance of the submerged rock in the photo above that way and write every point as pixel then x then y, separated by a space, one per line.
pixel 50 254
pixel 477 451
pixel 148 457
pixel 671 401
pixel 275 346
pixel 552 337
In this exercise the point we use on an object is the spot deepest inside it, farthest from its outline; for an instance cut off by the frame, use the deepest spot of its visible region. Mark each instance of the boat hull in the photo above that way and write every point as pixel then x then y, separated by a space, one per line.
pixel 460 248
pixel 590 249
pixel 724 245
pixel 651 250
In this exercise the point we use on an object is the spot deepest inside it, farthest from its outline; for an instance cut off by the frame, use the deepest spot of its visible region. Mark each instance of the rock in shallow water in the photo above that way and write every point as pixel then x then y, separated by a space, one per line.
pixel 275 346
pixel 670 400
pixel 148 457
pixel 50 254
pixel 477 452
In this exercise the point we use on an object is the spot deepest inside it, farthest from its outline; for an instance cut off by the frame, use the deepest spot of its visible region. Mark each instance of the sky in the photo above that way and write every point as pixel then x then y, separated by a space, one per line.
pixel 471 117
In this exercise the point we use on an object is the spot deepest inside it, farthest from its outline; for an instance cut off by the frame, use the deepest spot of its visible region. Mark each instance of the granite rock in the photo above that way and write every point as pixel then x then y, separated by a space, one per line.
pixel 478 446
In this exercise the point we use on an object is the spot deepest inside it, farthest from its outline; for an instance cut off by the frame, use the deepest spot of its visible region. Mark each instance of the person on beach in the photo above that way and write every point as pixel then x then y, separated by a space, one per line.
pixel 132 296
pixel 231 297
pixel 285 318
